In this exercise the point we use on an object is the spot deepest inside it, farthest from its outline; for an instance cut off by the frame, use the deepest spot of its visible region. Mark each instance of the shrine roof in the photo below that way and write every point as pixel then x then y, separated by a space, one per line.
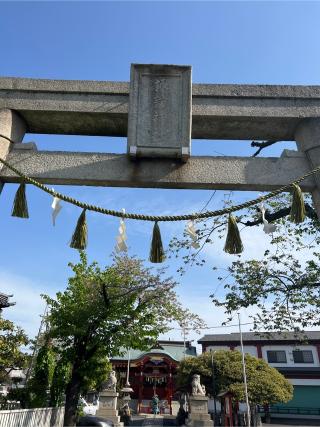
pixel 4 300
pixel 173 350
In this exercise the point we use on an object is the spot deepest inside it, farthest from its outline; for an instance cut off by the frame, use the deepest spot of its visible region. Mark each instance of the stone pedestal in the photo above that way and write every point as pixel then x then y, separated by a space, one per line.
pixel 198 412
pixel 108 407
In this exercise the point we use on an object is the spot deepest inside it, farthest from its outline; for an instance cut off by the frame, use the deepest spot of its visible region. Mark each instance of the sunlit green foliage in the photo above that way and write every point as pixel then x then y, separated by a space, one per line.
pixel 12 338
pixel 265 384
pixel 103 310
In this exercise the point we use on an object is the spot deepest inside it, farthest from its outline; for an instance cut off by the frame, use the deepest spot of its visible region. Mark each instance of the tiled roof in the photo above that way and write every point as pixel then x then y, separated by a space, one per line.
pixel 4 301
pixel 262 336
pixel 175 351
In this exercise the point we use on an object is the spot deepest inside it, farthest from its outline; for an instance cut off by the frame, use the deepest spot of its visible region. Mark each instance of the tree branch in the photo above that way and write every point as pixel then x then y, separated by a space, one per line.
pixel 281 213
pixel 262 145
pixel 105 295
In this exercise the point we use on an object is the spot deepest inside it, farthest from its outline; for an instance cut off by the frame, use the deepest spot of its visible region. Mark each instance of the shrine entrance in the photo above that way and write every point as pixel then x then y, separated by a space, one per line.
pixel 151 375
pixel 153 372
pixel 156 374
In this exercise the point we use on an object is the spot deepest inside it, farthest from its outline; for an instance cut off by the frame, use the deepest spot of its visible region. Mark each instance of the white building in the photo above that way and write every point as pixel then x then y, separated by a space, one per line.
pixel 297 357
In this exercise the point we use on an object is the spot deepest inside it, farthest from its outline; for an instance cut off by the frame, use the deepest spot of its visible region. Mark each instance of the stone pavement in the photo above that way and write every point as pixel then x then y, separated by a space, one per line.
pixel 297 423
pixel 153 422
pixel 150 421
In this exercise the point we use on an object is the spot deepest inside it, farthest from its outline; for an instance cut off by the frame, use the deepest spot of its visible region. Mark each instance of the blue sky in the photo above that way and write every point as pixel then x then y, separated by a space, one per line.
pixel 225 42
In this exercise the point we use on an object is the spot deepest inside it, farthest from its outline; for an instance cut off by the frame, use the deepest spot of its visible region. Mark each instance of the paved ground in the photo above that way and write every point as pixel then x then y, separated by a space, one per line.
pixel 282 422
pixel 161 422
pixel 150 422
pixel 277 422
pixel 153 422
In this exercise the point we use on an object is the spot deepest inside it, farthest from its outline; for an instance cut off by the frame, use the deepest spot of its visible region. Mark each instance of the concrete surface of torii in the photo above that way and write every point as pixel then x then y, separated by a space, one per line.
pixel 160 111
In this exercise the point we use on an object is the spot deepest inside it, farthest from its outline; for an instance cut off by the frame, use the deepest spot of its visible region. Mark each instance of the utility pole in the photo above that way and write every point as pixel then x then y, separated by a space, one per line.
pixel 184 334
pixel 43 326
pixel 244 374
pixel 216 418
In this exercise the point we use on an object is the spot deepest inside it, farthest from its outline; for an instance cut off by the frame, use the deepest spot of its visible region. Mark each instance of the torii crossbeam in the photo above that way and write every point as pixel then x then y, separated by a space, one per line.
pixel 160 111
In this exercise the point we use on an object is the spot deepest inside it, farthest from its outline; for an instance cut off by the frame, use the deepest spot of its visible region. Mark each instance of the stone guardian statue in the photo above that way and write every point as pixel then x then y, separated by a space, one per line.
pixel 111 383
pixel 197 388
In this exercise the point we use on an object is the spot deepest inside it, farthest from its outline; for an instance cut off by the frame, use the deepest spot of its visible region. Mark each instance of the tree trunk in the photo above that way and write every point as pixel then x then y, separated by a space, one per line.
pixel 72 397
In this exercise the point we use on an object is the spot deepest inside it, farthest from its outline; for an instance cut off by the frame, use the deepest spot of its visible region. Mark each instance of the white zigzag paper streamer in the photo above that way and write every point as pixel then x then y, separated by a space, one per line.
pixel 56 208
pixel 267 228
pixel 191 231
pixel 121 238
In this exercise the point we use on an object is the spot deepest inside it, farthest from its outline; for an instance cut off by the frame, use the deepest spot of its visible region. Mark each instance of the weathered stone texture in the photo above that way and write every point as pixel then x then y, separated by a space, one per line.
pixel 159 111
pixel 99 169
pixel 218 111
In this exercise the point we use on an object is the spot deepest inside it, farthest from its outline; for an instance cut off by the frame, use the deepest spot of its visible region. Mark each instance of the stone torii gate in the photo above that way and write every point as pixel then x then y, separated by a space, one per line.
pixel 155 112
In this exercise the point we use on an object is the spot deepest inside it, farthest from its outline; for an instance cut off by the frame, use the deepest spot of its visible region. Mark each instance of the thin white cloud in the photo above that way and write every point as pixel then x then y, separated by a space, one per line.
pixel 213 316
pixel 29 304
pixel 254 240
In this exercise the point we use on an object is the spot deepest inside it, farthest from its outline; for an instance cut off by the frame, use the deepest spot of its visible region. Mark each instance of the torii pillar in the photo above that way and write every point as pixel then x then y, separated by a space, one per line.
pixel 13 127
pixel 307 136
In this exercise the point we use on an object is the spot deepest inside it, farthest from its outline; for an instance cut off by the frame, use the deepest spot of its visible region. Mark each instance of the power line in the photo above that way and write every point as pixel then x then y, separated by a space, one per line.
pixel 208 202
pixel 217 326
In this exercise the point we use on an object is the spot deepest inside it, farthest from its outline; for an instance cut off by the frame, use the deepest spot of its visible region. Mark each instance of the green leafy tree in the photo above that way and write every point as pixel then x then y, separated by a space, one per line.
pixel 20 394
pixel 283 285
pixel 103 310
pixel 40 383
pixel 12 339
pixel 265 384
pixel 61 376
pixel 95 371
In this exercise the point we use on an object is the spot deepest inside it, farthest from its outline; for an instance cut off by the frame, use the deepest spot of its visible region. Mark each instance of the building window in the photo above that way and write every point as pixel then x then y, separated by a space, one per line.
pixel 277 356
pixel 302 356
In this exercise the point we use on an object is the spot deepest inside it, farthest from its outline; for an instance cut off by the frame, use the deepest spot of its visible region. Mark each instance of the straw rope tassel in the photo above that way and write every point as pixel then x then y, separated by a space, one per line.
pixel 20 206
pixel 80 235
pixel 298 210
pixel 156 251
pixel 233 243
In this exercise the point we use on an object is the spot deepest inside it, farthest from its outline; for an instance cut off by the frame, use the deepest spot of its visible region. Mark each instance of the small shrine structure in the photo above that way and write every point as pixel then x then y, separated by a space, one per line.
pixel 153 372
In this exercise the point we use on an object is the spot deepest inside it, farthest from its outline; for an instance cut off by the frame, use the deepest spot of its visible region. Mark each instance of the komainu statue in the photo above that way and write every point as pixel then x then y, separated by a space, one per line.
pixel 111 383
pixel 197 388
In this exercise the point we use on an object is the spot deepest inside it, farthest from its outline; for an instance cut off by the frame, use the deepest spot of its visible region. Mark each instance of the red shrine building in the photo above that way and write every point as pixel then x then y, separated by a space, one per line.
pixel 153 372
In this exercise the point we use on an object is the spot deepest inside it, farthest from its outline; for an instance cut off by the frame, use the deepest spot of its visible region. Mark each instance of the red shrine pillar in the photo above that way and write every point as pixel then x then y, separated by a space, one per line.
pixel 228 422
pixel 140 387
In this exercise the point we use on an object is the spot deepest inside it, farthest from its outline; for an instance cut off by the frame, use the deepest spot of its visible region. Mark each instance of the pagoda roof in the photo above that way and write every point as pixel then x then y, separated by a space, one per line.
pixel 4 300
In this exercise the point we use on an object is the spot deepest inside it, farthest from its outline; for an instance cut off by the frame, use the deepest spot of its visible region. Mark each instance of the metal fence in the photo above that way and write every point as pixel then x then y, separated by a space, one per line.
pixel 290 410
pixel 39 417
pixel 6 406
pixel 294 410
